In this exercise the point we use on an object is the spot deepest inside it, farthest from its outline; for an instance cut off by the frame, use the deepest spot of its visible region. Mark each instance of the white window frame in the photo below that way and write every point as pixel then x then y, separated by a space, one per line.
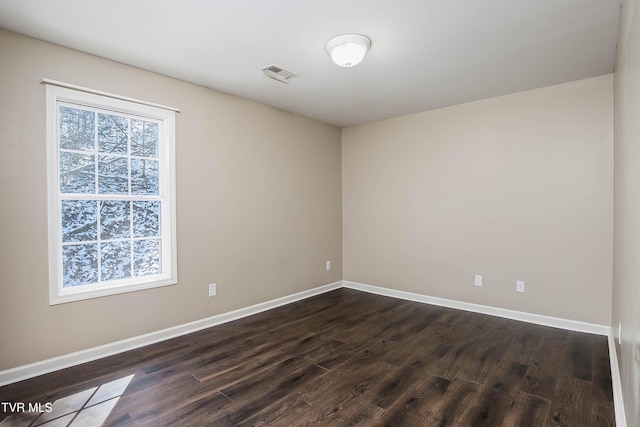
pixel 166 157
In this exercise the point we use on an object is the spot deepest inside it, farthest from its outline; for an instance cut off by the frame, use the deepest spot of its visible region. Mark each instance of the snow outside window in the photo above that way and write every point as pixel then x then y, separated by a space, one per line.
pixel 111 195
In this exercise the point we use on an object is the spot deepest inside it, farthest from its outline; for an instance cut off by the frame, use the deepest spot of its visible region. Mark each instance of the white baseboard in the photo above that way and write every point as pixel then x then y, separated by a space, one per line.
pixel 618 402
pixel 556 322
pixel 56 363
pixel 39 368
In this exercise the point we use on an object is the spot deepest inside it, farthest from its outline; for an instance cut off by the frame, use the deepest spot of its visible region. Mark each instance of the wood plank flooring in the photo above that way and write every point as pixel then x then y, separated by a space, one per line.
pixel 344 358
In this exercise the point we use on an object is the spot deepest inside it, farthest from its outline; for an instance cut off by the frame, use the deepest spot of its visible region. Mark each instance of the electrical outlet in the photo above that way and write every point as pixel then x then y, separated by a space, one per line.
pixel 212 289
pixel 478 280
pixel 327 265
pixel 519 286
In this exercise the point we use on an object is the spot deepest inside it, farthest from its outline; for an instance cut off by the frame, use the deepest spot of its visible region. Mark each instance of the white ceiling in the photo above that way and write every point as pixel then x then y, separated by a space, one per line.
pixel 425 53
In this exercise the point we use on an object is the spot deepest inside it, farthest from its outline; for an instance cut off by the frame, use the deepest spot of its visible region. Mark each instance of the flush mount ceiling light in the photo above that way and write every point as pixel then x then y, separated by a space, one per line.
pixel 348 50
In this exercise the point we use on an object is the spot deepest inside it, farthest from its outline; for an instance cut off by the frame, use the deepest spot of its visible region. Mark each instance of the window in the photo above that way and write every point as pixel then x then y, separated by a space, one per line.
pixel 111 195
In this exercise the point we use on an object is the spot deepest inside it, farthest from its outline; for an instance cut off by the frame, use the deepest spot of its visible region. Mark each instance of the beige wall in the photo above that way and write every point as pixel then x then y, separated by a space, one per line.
pixel 517 187
pixel 258 205
pixel 626 266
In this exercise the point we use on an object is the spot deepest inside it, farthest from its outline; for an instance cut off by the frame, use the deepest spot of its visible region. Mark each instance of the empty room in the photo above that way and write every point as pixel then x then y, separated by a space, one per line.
pixel 337 213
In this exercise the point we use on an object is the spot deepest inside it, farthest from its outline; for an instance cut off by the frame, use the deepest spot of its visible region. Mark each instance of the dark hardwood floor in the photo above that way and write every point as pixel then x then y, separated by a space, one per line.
pixel 344 358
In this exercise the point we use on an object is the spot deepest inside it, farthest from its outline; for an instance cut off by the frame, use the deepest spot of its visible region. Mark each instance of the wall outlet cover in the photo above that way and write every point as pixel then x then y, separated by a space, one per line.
pixel 212 289
pixel 478 280
pixel 519 286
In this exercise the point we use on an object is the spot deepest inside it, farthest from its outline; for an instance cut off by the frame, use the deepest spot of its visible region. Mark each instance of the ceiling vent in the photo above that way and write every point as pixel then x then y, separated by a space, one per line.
pixel 278 73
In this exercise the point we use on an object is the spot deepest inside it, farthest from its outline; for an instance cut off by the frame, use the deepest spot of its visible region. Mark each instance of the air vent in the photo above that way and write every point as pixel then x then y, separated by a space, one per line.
pixel 278 73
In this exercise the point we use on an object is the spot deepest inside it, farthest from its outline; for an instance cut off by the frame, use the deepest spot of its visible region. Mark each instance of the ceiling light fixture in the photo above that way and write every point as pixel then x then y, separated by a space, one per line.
pixel 348 50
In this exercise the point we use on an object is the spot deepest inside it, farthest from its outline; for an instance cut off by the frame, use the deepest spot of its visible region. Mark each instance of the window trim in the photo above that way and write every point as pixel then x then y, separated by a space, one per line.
pixel 117 104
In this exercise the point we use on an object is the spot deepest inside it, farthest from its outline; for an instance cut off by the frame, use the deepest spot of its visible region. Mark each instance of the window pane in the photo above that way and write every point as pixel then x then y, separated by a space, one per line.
pixel 144 138
pixel 80 264
pixel 79 220
pixel 113 176
pixel 112 189
pixel 146 257
pixel 115 260
pixel 77 173
pixel 77 129
pixel 146 219
pixel 144 176
pixel 112 134
pixel 115 220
